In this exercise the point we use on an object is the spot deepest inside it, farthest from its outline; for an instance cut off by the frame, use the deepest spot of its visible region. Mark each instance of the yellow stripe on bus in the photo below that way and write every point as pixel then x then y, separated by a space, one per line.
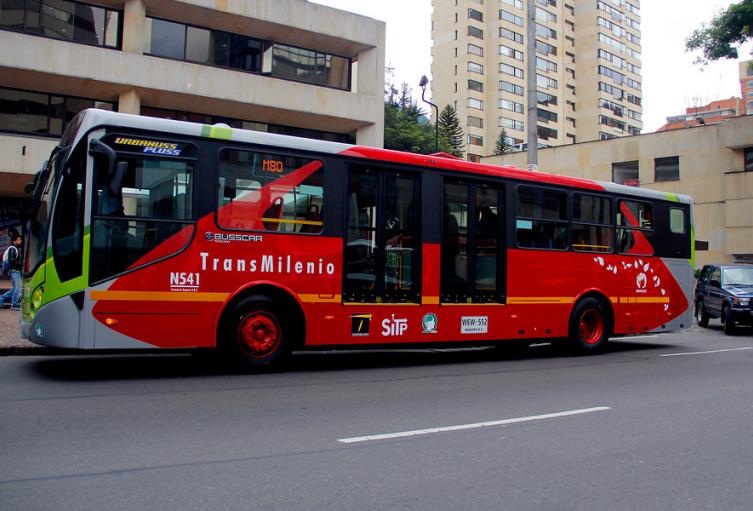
pixel 534 300
pixel 320 298
pixel 161 296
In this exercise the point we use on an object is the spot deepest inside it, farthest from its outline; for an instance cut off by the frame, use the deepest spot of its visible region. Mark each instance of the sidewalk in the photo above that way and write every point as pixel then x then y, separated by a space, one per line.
pixel 10 338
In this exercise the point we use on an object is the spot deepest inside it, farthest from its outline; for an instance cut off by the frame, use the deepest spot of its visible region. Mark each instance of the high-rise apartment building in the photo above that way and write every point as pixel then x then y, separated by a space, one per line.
pixel 588 75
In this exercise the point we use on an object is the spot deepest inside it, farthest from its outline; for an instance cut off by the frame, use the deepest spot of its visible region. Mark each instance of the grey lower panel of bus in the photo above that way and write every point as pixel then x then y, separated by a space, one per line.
pixel 683 273
pixel 60 324
pixel 55 324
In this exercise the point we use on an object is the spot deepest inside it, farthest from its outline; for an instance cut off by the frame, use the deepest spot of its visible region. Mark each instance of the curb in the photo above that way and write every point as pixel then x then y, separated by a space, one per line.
pixel 15 351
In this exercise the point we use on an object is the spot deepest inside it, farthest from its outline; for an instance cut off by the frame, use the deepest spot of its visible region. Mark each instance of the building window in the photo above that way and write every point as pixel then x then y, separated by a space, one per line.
pixel 545 115
pixel 476 158
pixel 511 88
pixel 512 36
pixel 475 15
pixel 476 85
pixel 475 103
pixel 41 114
pixel 510 70
pixel 546 133
pixel 243 53
pixel 510 52
pixel 476 122
pixel 510 17
pixel 475 140
pixel 475 32
pixel 749 158
pixel 475 68
pixel 625 173
pixel 511 124
pixel 667 169
pixel 475 50
pixel 542 98
pixel 61 19
pixel 513 106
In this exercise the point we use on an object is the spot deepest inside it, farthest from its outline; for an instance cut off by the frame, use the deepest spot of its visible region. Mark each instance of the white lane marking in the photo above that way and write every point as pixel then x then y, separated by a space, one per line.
pixel 705 352
pixel 476 425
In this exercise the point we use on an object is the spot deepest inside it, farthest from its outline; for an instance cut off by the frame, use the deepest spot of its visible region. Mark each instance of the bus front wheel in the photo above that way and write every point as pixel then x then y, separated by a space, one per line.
pixel 589 326
pixel 256 334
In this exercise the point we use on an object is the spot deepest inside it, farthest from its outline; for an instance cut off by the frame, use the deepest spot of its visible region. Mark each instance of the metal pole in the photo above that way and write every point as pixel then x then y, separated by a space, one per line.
pixel 436 119
pixel 532 128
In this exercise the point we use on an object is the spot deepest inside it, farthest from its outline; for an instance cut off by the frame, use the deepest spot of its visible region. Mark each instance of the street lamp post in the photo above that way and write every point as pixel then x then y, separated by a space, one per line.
pixel 424 81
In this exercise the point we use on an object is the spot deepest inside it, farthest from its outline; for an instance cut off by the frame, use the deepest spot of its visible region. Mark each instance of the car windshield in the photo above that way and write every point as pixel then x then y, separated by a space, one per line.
pixel 738 276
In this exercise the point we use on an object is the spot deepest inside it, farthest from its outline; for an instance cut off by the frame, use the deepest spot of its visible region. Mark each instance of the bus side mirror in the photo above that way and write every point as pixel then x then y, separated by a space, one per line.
pixel 115 173
pixel 116 179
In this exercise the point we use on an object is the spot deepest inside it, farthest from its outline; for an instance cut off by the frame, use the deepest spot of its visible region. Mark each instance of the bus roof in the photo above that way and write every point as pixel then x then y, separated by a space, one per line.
pixel 92 118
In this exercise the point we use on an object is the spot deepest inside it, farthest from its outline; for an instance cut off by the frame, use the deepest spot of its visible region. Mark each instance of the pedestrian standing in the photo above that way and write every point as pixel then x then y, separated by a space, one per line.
pixel 12 265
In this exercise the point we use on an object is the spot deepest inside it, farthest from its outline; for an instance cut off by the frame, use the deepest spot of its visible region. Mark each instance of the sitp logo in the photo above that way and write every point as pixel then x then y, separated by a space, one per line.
pixel 394 327
pixel 209 236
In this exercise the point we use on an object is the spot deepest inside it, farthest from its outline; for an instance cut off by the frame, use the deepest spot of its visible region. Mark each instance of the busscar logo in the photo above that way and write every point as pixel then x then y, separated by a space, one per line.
pixel 429 323
pixel 360 324
pixel 224 237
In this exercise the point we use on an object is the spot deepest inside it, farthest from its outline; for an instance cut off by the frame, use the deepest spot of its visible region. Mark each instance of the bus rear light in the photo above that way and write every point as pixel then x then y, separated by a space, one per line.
pixel 111 321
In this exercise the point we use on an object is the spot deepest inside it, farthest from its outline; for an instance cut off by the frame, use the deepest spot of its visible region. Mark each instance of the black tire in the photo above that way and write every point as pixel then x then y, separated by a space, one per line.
pixel 728 322
pixel 256 334
pixel 700 315
pixel 589 327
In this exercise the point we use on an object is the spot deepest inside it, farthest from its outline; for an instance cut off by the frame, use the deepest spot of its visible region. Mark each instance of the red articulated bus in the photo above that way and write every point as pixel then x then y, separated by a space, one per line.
pixel 152 233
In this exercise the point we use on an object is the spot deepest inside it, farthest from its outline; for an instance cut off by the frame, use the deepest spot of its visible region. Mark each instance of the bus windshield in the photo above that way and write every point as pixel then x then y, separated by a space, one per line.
pixel 40 213
pixel 42 193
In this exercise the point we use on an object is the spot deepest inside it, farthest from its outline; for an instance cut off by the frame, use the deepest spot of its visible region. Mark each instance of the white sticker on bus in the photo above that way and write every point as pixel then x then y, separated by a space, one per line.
pixel 474 324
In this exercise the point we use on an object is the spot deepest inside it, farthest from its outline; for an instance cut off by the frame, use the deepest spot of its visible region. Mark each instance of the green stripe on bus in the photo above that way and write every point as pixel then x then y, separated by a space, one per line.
pixel 216 132
pixel 673 197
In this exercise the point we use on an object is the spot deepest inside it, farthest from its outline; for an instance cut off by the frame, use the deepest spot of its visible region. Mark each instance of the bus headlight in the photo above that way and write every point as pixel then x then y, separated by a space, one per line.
pixel 36 298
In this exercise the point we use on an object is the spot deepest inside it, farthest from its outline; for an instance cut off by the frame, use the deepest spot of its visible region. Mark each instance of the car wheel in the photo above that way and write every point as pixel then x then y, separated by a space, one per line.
pixel 700 315
pixel 729 323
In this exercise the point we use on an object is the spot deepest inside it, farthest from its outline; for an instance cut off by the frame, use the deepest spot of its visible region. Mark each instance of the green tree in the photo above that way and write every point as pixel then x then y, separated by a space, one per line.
pixel 502 145
pixel 405 125
pixel 722 37
pixel 450 132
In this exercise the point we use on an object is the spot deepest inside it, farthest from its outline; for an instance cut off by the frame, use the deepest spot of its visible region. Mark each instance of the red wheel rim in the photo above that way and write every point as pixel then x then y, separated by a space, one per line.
pixel 591 326
pixel 259 334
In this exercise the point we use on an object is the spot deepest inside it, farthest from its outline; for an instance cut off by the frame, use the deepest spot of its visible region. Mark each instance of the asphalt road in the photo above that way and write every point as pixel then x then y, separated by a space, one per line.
pixel 660 423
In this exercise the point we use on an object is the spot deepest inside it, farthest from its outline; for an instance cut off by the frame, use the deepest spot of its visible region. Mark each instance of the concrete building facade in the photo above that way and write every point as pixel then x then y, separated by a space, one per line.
pixel 283 66
pixel 588 78
pixel 746 84
pixel 711 163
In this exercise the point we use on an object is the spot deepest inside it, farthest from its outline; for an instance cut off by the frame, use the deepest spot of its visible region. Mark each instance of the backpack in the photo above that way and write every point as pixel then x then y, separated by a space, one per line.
pixel 8 259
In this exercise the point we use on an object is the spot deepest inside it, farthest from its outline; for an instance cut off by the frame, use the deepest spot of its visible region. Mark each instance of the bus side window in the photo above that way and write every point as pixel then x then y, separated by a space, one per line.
pixel 541 218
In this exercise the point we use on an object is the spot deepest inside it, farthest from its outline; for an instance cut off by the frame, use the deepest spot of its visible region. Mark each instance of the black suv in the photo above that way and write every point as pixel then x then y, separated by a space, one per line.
pixel 725 291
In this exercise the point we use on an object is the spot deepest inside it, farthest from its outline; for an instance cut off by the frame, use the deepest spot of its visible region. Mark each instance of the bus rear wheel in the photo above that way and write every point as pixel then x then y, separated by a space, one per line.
pixel 256 334
pixel 589 326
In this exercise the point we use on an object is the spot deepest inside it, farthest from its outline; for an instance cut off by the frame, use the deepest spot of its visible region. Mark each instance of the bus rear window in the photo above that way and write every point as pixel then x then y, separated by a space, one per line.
pixel 269 192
